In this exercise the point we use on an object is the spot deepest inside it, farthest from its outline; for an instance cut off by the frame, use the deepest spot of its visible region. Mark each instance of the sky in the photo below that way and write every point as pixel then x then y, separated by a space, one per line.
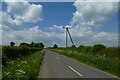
pixel 89 23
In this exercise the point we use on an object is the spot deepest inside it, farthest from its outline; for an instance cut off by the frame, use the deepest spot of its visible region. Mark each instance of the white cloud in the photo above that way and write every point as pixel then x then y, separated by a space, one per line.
pixel 24 11
pixel 34 34
pixel 0 26
pixel 7 22
pixel 10 26
pixel 91 15
pixel 55 28
pixel 1 20
pixel 87 17
pixel 35 29
pixel 49 38
pixel 110 40
pixel 104 36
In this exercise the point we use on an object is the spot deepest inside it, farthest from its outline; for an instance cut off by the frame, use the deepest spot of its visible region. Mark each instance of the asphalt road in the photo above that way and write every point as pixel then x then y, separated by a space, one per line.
pixel 59 66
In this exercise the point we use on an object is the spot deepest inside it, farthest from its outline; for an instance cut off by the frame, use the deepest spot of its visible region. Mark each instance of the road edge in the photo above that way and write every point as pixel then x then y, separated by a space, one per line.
pixel 41 67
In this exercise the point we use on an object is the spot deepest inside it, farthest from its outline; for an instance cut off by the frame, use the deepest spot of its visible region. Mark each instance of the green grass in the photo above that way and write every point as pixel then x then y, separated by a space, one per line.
pixel 103 63
pixel 25 67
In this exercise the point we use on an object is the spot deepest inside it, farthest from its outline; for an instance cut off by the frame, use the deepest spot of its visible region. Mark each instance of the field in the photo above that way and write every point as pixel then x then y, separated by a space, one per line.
pixel 106 59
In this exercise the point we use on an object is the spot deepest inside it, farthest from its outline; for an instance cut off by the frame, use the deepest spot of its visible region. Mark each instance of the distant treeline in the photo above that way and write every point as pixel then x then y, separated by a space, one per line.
pixel 97 49
pixel 11 52
pixel 32 44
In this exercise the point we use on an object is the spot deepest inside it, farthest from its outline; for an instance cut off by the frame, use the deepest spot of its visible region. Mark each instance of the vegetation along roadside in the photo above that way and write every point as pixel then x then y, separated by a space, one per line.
pixel 98 56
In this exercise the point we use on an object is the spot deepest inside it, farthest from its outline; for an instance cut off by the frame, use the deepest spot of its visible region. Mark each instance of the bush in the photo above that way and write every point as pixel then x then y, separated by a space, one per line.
pixel 98 47
pixel 23 68
pixel 12 43
pixel 12 52
pixel 55 46
pixel 110 52
pixel 32 44
pixel 24 44
pixel 86 49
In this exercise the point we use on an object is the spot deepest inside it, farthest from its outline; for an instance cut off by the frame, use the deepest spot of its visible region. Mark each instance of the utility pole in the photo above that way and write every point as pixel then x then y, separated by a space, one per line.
pixel 70 36
pixel 68 33
pixel 66 38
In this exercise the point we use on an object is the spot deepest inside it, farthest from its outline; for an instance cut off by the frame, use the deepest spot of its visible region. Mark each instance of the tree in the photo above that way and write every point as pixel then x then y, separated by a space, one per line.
pixel 81 46
pixel 12 43
pixel 98 47
pixel 24 44
pixel 32 44
pixel 41 45
pixel 55 46
pixel 73 46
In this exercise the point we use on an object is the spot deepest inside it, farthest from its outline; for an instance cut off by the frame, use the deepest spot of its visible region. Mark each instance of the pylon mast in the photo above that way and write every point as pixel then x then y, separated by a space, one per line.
pixel 66 38
pixel 68 33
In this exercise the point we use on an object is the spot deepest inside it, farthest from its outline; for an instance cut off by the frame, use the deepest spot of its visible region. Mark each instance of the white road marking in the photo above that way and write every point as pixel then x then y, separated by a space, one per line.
pixel 58 58
pixel 75 71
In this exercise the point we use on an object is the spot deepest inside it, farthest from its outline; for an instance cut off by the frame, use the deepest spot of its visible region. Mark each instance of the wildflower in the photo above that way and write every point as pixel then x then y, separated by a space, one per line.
pixel 7 73
pixel 18 65
pixel 24 62
pixel 20 71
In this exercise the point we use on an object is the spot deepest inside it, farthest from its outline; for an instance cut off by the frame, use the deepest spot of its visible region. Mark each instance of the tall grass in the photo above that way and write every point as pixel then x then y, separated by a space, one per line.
pixel 108 63
pixel 25 67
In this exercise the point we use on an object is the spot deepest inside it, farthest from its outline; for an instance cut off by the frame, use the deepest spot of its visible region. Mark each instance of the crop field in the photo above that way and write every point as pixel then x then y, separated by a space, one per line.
pixel 106 59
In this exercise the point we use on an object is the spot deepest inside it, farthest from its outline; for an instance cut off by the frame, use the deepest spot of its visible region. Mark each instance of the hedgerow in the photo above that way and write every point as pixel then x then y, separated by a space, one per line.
pixel 12 52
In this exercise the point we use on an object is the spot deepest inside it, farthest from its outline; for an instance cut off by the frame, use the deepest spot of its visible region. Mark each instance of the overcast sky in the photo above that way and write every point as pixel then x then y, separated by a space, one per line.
pixel 90 22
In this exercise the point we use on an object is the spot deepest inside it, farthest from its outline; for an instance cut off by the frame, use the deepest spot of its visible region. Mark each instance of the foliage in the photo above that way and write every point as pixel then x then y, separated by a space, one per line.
pixel 12 52
pixel 12 43
pixel 73 46
pixel 32 44
pixel 98 47
pixel 55 46
pixel 40 45
pixel 85 49
pixel 21 61
pixel 99 56
pixel 110 52
pixel 25 67
pixel 24 44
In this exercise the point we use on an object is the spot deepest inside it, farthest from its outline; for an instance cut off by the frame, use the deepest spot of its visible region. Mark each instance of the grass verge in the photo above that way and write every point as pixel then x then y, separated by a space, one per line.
pixel 26 67
pixel 106 64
